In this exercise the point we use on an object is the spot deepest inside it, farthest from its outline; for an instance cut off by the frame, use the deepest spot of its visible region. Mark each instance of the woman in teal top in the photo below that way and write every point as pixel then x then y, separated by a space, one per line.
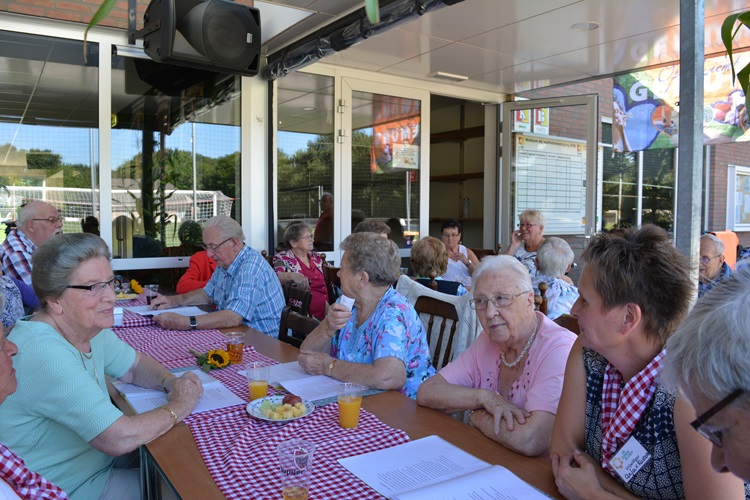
pixel 61 420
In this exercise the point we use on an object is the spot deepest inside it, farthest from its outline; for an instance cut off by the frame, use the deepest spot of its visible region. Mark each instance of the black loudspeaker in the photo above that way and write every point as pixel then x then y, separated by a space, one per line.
pixel 214 35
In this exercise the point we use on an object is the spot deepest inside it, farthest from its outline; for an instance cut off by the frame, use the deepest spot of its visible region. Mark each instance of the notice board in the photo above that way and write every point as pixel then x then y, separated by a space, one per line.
pixel 551 177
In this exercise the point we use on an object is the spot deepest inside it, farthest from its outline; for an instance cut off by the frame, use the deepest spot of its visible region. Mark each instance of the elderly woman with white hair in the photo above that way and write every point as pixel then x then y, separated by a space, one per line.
pixel 514 370
pixel 709 360
pixel 380 342
pixel 554 259
pixel 527 239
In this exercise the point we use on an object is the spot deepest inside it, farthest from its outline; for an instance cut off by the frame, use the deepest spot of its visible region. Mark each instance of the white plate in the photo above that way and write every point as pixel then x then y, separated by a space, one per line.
pixel 253 408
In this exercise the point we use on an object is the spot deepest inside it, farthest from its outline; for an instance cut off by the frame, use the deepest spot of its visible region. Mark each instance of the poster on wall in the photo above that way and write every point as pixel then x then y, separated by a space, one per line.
pixel 541 121
pixel 551 177
pixel 395 135
pixel 522 120
pixel 646 106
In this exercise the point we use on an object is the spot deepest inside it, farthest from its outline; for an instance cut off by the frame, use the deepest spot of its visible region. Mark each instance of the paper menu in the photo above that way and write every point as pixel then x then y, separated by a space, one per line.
pixel 431 468
pixel 148 312
pixel 215 395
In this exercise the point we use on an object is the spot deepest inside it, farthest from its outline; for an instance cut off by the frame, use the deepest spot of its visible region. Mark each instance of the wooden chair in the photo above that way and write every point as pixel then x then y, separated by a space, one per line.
pixel 294 327
pixel 442 348
pixel 297 298
pixel 484 252
pixel 540 301
pixel 333 283
pixel 569 322
pixel 269 258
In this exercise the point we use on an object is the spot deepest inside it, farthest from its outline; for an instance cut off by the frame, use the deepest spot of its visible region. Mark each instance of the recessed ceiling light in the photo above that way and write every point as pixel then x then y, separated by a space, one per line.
pixel 585 26
pixel 308 108
pixel 448 76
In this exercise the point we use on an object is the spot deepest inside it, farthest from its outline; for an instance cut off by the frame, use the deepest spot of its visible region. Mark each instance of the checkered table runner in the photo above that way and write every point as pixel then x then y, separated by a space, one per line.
pixel 240 451
pixel 131 319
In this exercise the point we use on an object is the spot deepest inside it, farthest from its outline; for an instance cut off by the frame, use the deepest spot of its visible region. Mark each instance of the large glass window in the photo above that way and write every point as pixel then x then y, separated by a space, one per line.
pixel 175 156
pixel 385 163
pixel 620 186
pixel 49 126
pixel 306 155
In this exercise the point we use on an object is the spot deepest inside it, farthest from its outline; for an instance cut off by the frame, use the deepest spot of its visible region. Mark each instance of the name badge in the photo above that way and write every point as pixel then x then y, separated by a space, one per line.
pixel 629 459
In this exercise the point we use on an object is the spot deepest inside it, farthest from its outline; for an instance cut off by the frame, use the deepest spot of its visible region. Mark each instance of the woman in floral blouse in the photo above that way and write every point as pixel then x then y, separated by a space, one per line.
pixel 302 266
pixel 379 342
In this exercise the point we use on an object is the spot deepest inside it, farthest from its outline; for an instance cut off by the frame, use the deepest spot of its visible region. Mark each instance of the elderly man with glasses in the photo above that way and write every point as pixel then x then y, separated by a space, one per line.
pixel 37 222
pixel 712 267
pixel 244 287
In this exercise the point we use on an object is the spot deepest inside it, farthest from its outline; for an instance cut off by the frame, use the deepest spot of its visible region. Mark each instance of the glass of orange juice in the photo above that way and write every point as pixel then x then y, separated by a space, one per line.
pixel 257 379
pixel 350 400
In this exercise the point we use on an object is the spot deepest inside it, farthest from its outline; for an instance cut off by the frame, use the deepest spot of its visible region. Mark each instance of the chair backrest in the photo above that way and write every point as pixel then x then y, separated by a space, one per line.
pixel 297 298
pixel 269 258
pixel 333 283
pixel 294 327
pixel 540 301
pixel 442 286
pixel 442 347
pixel 569 322
pixel 483 252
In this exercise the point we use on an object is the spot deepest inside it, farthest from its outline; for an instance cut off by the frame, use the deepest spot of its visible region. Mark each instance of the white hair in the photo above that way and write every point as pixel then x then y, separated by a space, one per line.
pixel 710 351
pixel 517 273
pixel 555 255
pixel 718 244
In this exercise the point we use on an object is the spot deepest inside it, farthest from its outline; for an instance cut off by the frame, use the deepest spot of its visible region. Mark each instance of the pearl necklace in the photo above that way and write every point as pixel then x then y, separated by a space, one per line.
pixel 524 350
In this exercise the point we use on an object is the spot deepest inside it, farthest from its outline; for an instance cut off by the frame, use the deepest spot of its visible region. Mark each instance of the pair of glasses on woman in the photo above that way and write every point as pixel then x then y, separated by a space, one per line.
pixel 499 301
pixel 715 436
pixel 96 288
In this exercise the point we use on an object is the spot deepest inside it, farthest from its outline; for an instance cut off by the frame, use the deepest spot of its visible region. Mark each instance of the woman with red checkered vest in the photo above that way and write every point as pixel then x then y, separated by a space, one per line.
pixel 619 432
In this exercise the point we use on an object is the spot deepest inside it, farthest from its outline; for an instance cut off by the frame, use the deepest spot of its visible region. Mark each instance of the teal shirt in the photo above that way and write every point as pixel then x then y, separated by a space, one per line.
pixel 58 406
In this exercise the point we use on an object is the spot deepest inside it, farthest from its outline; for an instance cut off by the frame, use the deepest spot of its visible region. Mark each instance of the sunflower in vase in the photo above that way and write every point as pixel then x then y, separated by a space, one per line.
pixel 213 359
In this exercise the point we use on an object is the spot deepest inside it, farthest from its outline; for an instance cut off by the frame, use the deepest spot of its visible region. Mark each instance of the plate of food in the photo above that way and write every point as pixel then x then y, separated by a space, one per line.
pixel 280 408
pixel 126 296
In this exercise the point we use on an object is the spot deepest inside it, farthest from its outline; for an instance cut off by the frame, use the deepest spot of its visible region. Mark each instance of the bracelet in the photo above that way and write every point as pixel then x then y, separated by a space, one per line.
pixel 171 412
pixel 164 379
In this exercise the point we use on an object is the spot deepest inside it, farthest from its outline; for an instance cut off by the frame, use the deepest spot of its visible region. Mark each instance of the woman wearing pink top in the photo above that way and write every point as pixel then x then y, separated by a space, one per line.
pixel 514 370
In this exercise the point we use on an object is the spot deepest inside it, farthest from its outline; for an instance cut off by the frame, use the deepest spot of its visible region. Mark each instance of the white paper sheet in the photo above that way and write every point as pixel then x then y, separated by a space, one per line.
pixel 185 311
pixel 431 468
pixel 215 395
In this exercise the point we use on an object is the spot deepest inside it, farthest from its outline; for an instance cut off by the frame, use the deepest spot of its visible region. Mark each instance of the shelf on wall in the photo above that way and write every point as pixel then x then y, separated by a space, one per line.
pixel 457 177
pixel 457 135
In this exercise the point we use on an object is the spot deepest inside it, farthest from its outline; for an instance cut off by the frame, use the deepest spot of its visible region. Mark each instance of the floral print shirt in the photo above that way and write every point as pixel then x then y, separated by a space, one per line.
pixel 392 330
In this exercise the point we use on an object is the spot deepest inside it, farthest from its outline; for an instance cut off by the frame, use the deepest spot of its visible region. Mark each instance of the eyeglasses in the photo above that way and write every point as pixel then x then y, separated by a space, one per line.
pixel 451 236
pixel 96 288
pixel 53 220
pixel 524 224
pixel 213 248
pixel 714 436
pixel 499 301
pixel 706 260
pixel 307 236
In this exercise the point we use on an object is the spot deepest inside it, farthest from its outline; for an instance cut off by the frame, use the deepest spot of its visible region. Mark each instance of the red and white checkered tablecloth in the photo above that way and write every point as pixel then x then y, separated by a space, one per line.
pixel 240 451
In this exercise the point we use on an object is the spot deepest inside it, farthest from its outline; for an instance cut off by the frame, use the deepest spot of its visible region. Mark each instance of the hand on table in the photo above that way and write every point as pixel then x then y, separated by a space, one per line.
pixel 575 475
pixel 164 302
pixel 314 362
pixel 501 409
pixel 187 390
pixel 172 321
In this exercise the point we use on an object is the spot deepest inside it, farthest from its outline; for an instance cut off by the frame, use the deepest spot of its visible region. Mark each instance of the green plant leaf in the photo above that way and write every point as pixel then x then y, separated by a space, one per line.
pixel 372 9
pixel 728 33
pixel 101 13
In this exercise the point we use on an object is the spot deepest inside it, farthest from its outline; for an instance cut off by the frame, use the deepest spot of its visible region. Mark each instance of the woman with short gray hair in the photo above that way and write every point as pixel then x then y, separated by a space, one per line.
pixel 61 419
pixel 554 260
pixel 527 239
pixel 379 341
pixel 302 266
pixel 708 358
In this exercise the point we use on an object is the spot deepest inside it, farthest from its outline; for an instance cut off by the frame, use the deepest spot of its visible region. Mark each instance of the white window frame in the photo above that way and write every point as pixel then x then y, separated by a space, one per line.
pixel 732 172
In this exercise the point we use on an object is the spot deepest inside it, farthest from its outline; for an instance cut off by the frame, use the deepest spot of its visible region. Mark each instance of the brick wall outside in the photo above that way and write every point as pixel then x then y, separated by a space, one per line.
pixel 80 11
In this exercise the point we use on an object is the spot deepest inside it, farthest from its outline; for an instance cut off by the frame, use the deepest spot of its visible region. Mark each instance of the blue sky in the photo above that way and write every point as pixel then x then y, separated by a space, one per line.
pixel 74 143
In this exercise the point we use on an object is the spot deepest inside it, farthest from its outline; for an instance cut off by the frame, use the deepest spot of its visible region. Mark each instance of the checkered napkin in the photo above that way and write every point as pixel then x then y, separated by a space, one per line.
pixel 240 451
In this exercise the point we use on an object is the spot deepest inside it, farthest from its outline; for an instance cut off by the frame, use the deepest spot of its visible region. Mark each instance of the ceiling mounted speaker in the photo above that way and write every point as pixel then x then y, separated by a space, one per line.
pixel 217 35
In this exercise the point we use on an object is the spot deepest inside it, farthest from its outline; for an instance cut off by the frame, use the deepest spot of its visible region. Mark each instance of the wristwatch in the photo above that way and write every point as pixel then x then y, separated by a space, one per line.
pixel 330 366
pixel 193 323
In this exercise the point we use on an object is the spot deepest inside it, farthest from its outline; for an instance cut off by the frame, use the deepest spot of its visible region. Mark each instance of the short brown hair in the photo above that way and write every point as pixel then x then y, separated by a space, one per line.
pixel 429 254
pixel 372 226
pixel 643 267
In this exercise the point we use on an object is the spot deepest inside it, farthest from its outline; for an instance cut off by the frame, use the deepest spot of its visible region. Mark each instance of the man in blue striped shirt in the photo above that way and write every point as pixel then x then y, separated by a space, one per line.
pixel 244 287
